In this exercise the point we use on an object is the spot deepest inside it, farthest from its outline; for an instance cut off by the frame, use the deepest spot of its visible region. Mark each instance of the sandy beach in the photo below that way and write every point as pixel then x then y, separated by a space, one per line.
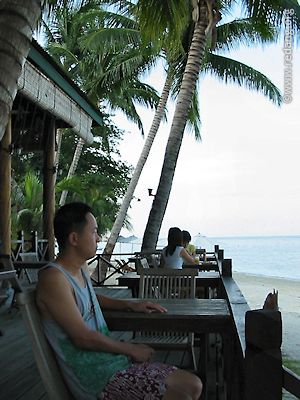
pixel 255 289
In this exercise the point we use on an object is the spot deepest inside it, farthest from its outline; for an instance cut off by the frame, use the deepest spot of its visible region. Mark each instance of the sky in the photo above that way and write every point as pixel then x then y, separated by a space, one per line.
pixel 242 179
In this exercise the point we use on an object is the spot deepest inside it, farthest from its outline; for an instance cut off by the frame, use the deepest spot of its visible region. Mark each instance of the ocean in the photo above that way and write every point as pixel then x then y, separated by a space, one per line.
pixel 277 256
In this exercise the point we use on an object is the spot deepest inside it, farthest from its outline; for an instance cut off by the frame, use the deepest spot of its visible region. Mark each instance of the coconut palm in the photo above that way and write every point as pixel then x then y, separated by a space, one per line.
pixel 101 51
pixel 261 13
pixel 229 35
pixel 17 22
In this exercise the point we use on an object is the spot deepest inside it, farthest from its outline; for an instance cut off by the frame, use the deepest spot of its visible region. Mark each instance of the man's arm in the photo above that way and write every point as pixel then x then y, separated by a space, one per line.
pixel 56 300
pixel 109 303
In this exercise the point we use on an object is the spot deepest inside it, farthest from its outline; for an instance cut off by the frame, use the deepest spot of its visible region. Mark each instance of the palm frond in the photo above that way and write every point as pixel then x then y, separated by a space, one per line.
pixel 273 12
pixel 242 32
pixel 168 17
pixel 232 71
pixel 110 39
pixel 194 122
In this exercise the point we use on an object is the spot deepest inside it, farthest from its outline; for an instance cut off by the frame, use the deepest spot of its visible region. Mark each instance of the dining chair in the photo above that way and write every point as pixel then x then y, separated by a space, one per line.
pixel 6 266
pixel 9 283
pixel 48 368
pixel 167 283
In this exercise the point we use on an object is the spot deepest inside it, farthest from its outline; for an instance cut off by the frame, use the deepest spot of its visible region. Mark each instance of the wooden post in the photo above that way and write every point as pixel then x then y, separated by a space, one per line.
pixel 220 255
pixel 5 191
pixel 49 188
pixel 216 249
pixel 227 267
pixel 263 361
pixel 33 239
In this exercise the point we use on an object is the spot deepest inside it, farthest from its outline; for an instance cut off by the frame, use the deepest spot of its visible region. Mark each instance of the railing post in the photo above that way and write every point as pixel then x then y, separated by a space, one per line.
pixel 227 267
pixel 33 241
pixel 216 249
pixel 263 361
pixel 220 255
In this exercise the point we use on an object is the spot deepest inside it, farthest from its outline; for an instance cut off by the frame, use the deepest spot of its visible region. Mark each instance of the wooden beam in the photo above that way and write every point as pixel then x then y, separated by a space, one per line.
pixel 5 191
pixel 291 382
pixel 49 188
pixel 263 361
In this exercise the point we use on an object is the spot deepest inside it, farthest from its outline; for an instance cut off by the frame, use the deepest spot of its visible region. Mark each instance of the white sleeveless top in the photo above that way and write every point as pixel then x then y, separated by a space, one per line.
pixel 173 261
pixel 86 372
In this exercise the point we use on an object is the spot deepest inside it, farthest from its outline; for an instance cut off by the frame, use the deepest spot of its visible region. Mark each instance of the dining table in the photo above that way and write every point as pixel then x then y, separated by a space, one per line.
pixel 182 315
pixel 200 316
pixel 205 279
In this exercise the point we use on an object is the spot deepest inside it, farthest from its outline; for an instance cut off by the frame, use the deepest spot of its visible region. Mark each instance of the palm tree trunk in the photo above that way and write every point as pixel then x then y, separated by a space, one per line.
pixel 159 113
pixel 72 168
pixel 17 22
pixel 188 85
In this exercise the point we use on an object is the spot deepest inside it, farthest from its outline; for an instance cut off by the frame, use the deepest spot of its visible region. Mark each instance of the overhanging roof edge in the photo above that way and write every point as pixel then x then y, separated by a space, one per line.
pixel 54 72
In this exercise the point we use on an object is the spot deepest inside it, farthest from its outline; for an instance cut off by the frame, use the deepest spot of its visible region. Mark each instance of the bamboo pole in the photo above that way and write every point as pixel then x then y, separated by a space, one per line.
pixel 49 188
pixel 5 191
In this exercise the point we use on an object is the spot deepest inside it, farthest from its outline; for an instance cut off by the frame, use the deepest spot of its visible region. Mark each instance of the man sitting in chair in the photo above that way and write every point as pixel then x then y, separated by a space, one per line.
pixel 94 364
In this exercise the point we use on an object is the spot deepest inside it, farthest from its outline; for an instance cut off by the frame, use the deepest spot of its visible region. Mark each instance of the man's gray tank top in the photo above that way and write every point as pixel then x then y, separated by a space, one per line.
pixel 86 372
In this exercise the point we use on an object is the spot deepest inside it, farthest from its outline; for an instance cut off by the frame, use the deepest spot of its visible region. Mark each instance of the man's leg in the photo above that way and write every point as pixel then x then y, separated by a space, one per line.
pixel 182 385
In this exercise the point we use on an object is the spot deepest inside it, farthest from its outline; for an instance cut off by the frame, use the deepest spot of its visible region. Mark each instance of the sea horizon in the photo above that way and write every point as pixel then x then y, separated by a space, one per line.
pixel 276 256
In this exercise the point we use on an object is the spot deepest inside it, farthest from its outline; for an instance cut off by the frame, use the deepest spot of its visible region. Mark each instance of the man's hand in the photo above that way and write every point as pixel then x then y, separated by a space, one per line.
pixel 140 352
pixel 146 307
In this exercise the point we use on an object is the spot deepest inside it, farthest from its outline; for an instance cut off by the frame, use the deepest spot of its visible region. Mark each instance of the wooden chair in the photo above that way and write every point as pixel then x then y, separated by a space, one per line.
pixel 167 283
pixel 7 269
pixel 8 279
pixel 48 368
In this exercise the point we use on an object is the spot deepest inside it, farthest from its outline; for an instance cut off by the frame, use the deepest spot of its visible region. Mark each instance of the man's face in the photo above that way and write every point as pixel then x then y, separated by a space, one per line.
pixel 88 238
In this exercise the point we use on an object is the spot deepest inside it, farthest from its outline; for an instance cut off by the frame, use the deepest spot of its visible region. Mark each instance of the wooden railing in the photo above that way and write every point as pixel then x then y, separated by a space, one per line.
pixel 117 264
pixel 258 370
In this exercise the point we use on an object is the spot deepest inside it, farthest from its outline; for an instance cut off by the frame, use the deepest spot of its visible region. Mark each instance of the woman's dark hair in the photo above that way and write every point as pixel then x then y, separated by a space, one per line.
pixel 174 240
pixel 186 237
pixel 69 218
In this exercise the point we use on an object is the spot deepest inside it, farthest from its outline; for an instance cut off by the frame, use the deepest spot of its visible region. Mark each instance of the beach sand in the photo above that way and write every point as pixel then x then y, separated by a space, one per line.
pixel 255 289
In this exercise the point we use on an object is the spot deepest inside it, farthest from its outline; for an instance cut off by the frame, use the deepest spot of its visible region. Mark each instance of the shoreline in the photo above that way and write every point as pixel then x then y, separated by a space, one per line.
pixel 255 289
pixel 268 277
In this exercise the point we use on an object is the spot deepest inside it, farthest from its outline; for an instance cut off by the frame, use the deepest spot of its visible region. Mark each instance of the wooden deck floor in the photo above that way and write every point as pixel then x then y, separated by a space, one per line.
pixel 19 377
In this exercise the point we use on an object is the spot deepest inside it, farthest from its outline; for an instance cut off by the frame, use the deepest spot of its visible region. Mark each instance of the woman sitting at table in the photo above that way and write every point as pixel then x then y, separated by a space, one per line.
pixel 174 254
pixel 190 248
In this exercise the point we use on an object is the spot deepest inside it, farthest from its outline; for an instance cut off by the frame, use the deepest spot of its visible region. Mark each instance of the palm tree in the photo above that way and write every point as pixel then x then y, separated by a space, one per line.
pixel 17 22
pixel 119 222
pixel 101 51
pixel 262 14
pixel 229 35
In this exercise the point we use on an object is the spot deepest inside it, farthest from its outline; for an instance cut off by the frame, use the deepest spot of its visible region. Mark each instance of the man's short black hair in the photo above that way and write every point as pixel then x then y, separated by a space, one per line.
pixel 186 237
pixel 69 218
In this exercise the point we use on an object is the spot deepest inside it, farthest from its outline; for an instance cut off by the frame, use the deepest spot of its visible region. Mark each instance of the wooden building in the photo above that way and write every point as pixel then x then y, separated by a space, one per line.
pixel 47 99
